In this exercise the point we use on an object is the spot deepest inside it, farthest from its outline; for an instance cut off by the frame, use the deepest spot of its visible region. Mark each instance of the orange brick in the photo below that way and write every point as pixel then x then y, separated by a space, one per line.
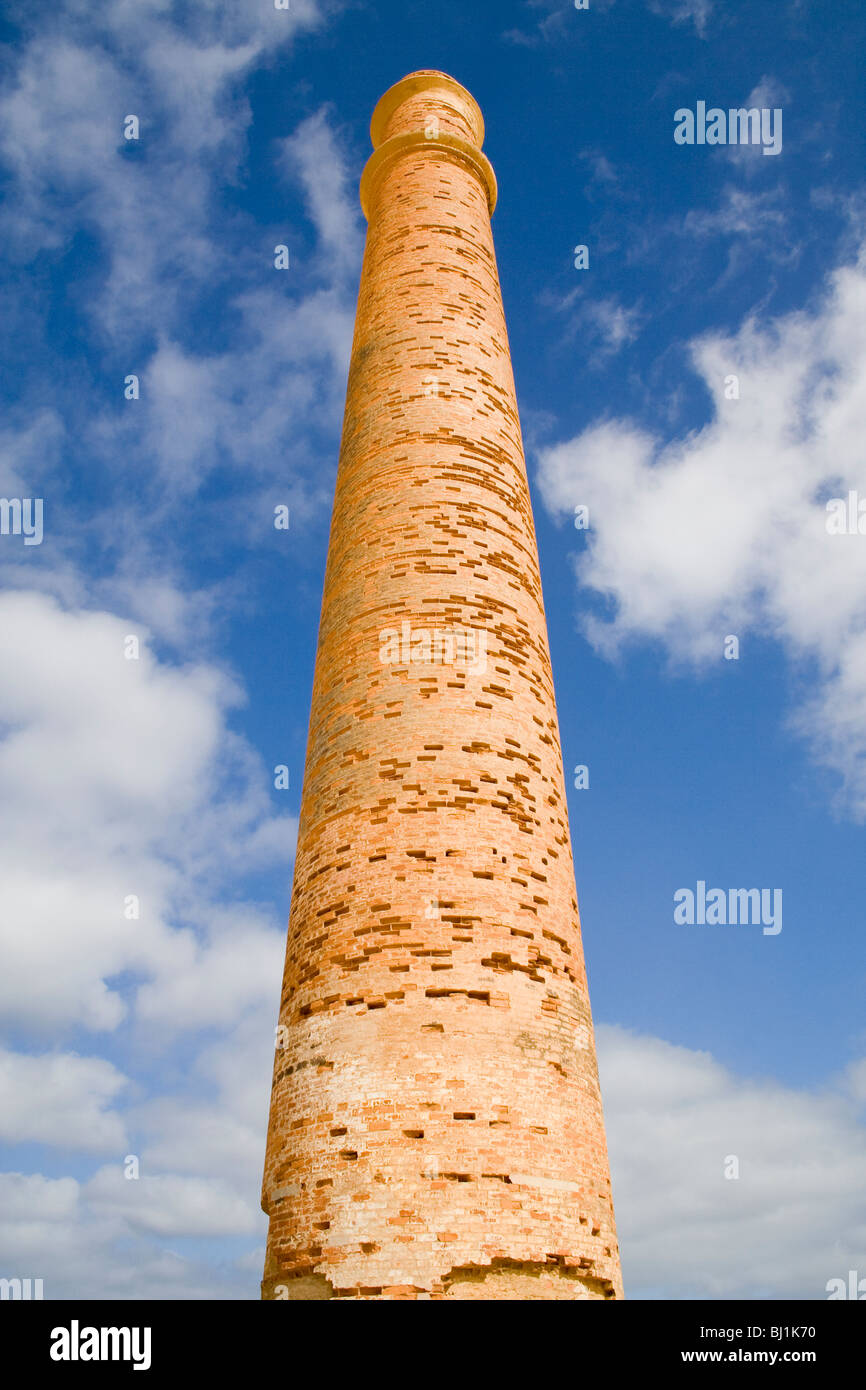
pixel 433 839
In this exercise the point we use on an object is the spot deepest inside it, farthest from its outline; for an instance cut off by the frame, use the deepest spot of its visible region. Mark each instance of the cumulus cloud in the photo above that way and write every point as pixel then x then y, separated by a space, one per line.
pixel 85 1241
pixel 172 1205
pixel 793 1218
pixel 136 822
pixel 122 780
pixel 75 1094
pixel 122 777
pixel 199 1150
pixel 725 531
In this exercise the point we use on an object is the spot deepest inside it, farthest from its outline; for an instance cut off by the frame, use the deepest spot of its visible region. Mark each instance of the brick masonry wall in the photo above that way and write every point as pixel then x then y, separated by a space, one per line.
pixel 436 1127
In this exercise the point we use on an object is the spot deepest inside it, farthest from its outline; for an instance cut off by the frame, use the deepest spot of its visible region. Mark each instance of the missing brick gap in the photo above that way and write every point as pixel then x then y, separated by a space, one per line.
pixel 514 1274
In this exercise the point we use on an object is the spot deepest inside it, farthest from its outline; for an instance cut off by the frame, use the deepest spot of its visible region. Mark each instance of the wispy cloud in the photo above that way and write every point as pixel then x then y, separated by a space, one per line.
pixel 558 16
pixel 696 12
pixel 604 325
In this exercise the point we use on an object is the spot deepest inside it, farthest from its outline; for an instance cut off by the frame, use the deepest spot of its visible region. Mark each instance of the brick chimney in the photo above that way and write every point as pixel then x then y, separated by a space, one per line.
pixel 436 1126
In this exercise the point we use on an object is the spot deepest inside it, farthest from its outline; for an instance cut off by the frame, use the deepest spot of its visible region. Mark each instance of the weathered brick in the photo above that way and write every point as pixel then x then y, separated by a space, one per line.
pixel 434 996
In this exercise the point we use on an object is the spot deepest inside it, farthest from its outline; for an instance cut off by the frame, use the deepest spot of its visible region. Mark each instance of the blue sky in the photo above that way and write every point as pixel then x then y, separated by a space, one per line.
pixel 151 1037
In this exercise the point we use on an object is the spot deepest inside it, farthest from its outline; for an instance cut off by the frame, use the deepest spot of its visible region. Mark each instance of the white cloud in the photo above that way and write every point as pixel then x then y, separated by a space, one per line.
pixel 616 325
pixel 793 1219
pixel 739 214
pixel 121 778
pixel 768 94
pixel 187 1136
pixel 313 153
pixel 77 79
pixel 126 777
pixel 556 18
pixel 725 531
pixel 171 1205
pixel 74 1096
pixel 30 455
pixel 217 981
pixel 604 325
pixel 164 249
pixel 285 372
pixel 695 12
pixel 32 1197
pixel 91 1242
pixel 200 1165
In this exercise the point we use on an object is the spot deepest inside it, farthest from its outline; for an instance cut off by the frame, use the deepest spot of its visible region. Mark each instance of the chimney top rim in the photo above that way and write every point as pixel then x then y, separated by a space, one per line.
pixel 421 80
